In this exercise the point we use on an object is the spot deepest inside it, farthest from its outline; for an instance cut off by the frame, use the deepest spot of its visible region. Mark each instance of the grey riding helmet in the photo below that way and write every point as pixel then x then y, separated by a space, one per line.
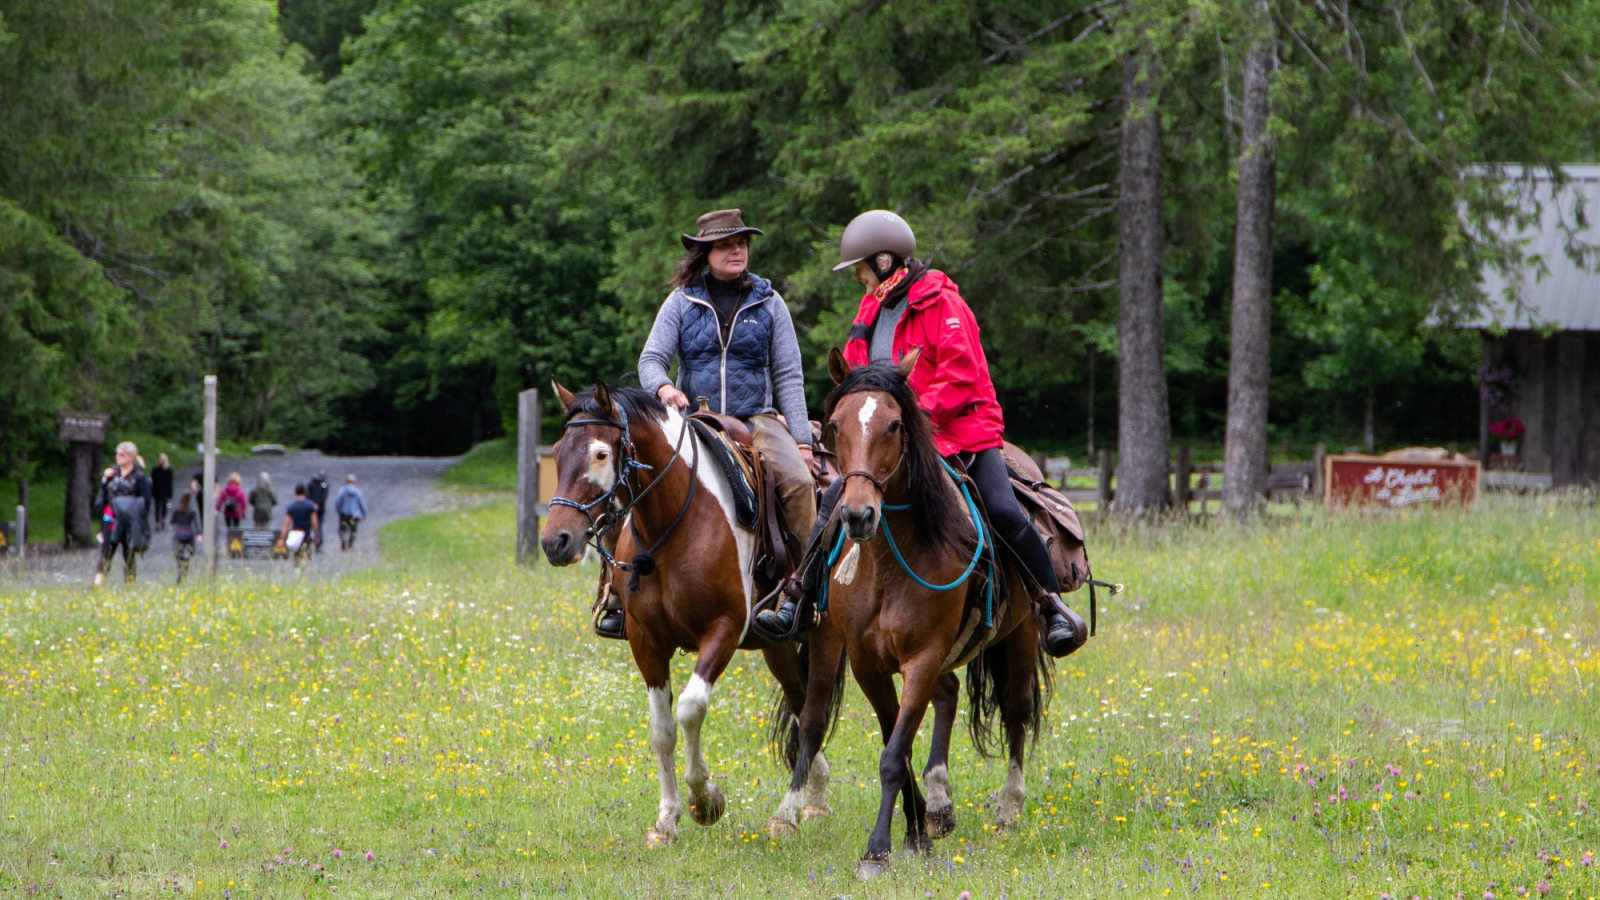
pixel 875 231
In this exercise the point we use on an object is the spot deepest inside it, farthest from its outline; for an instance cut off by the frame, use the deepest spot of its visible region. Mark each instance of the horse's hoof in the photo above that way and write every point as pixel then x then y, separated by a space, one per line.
pixel 940 822
pixel 868 869
pixel 655 840
pixel 778 828
pixel 919 844
pixel 815 812
pixel 709 807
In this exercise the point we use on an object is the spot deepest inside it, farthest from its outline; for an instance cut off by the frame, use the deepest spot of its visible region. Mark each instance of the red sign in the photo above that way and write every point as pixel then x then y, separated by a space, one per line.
pixel 1398 483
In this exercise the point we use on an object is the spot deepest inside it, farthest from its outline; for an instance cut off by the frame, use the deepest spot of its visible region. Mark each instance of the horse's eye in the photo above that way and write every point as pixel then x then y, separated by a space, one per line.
pixel 894 427
pixel 602 456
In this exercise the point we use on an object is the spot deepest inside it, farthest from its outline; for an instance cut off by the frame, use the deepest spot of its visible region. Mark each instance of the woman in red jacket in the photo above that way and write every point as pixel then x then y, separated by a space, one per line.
pixel 908 305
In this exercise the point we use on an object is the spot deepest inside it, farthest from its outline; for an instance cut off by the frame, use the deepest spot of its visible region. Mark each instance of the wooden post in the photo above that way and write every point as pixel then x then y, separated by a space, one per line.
pixel 1106 495
pixel 528 477
pixel 1182 470
pixel 208 480
pixel 20 536
pixel 1319 461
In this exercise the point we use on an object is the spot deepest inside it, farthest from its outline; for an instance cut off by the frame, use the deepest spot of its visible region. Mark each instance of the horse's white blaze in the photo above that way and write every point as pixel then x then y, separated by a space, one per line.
pixel 664 740
pixel 714 483
pixel 864 416
pixel 692 706
pixel 602 471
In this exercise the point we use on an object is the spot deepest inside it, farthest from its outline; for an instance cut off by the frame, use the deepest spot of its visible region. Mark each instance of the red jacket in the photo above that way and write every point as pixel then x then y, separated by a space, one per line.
pixel 232 491
pixel 952 375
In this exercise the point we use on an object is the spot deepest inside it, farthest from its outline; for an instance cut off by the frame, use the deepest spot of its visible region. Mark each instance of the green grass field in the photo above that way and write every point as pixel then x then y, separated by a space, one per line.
pixel 1364 707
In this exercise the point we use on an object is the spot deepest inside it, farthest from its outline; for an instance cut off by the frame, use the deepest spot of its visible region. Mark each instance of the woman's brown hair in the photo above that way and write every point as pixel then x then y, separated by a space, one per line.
pixel 693 264
pixel 184 502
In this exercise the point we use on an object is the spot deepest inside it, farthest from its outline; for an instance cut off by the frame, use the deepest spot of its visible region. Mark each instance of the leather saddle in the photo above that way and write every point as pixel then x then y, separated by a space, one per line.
pixel 755 495
pixel 1053 517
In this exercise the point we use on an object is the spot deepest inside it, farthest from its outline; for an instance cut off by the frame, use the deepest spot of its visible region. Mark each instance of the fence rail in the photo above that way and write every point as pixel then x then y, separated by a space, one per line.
pixel 1192 482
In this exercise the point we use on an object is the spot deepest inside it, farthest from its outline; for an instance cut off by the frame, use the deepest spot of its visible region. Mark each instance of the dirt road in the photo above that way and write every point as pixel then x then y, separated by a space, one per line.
pixel 395 487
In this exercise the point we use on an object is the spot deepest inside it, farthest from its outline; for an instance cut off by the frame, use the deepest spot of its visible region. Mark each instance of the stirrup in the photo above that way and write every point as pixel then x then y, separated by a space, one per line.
pixel 619 633
pixel 1059 620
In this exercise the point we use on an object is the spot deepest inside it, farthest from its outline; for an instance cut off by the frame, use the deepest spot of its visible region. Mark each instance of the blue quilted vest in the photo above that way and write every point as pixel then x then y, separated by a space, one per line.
pixel 737 379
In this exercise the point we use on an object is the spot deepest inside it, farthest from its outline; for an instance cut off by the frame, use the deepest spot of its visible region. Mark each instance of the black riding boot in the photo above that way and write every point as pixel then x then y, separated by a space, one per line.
pixel 610 622
pixel 778 622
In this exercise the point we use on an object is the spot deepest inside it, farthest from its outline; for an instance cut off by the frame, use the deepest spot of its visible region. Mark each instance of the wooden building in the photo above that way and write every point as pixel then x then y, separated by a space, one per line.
pixel 1542 326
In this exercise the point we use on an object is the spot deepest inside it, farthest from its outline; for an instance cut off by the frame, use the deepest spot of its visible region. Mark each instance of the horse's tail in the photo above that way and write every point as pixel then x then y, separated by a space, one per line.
pixel 783 738
pixel 987 679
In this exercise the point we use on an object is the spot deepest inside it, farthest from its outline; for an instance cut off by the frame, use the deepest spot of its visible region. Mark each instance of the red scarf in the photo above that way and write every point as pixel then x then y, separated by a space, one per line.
pixel 887 287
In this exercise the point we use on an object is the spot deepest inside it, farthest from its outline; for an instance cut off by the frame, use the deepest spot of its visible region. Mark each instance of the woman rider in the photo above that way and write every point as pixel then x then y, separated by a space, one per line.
pixel 908 305
pixel 736 346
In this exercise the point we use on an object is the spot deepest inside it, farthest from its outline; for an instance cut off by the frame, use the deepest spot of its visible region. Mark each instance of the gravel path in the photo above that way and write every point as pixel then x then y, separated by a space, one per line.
pixel 395 487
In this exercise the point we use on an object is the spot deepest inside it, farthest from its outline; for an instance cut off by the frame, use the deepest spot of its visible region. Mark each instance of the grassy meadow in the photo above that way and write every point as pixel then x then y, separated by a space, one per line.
pixel 1363 707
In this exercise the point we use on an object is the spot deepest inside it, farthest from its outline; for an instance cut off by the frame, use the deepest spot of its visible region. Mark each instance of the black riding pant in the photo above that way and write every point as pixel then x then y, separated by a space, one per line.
pixel 988 471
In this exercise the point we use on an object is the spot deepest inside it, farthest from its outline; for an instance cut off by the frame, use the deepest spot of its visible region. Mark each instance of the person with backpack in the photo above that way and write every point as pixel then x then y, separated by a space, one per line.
pixel 186 534
pixel 299 524
pixel 317 492
pixel 262 500
pixel 231 501
pixel 352 508
pixel 124 504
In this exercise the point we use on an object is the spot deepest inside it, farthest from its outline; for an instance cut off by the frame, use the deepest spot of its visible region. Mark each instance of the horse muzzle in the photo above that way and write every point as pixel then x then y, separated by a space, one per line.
pixel 860 522
pixel 562 547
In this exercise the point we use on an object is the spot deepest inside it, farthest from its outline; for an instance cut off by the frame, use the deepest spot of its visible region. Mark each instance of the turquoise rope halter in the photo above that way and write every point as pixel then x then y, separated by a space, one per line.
pixel 972 565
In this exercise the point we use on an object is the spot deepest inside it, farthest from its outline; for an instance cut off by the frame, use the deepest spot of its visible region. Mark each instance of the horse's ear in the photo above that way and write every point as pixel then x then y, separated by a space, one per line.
pixel 602 398
pixel 566 397
pixel 838 366
pixel 908 363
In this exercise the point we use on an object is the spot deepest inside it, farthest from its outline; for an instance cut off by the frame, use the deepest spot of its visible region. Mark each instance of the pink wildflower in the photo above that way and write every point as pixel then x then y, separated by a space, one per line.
pixel 223 844
pixel 337 853
pixel 370 857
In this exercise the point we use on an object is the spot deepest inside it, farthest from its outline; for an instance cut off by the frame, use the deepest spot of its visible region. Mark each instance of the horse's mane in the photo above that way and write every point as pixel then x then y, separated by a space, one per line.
pixel 940 515
pixel 637 401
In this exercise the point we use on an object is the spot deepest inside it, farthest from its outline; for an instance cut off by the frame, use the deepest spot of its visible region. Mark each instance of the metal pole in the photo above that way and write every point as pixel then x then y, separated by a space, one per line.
pixel 208 482
pixel 528 477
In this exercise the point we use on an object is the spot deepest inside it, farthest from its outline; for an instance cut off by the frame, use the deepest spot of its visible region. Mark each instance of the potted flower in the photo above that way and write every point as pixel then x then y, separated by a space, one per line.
pixel 1508 431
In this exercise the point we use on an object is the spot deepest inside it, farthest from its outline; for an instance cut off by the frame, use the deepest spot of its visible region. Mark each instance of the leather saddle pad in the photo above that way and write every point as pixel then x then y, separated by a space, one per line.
pixel 734 464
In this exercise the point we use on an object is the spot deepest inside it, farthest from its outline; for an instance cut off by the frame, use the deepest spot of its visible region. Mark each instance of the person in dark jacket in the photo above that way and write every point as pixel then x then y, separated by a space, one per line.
pixel 908 305
pixel 198 490
pixel 186 533
pixel 124 504
pixel 300 520
pixel 317 492
pixel 262 500
pixel 161 488
pixel 735 345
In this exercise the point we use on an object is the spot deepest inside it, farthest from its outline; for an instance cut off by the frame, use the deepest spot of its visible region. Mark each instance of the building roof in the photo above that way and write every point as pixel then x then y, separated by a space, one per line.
pixel 1552 290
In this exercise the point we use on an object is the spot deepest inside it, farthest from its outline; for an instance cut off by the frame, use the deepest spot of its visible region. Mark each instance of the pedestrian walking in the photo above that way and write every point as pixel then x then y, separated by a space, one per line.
pixel 186 532
pixel 317 492
pixel 161 488
pixel 199 491
pixel 300 523
pixel 352 508
pixel 124 504
pixel 262 500
pixel 231 501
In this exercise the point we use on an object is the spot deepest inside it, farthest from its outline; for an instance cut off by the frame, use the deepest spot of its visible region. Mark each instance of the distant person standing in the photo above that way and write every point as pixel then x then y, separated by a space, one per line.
pixel 185 532
pixel 317 492
pixel 124 504
pixel 161 488
pixel 231 501
pixel 262 500
pixel 300 522
pixel 199 491
pixel 352 508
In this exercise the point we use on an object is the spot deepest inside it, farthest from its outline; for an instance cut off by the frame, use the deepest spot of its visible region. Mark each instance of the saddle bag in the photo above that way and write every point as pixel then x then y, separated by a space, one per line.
pixel 1054 517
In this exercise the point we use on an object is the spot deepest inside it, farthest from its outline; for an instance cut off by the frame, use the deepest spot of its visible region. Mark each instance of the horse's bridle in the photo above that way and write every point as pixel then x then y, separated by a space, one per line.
pixel 876 481
pixel 615 511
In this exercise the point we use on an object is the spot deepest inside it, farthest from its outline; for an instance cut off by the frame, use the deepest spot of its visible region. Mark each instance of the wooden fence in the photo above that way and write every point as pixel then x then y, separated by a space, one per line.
pixel 1191 482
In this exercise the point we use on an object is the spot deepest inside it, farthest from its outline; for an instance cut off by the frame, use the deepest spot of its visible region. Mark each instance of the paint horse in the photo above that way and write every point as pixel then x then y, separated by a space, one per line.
pixel 684 568
pixel 914 588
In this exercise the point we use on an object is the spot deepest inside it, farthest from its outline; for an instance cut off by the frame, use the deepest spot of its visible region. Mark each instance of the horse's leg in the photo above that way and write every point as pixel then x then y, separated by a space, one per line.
pixel 941 816
pixel 653 665
pixel 706 803
pixel 1016 712
pixel 894 765
pixel 808 784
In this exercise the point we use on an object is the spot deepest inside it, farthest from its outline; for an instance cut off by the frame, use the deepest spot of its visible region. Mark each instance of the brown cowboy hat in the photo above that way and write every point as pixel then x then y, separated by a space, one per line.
pixel 716 225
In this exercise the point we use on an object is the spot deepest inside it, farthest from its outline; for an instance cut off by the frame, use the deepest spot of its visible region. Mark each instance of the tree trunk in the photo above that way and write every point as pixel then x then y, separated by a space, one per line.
pixel 1143 427
pixel 1088 441
pixel 1244 474
pixel 1369 438
pixel 83 475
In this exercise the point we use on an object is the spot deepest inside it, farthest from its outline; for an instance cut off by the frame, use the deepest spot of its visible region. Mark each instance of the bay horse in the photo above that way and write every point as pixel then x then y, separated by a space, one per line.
pixel 627 462
pixel 915 593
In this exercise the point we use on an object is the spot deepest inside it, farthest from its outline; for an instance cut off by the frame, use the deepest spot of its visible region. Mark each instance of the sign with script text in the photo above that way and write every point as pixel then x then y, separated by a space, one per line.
pixel 88 427
pixel 1398 483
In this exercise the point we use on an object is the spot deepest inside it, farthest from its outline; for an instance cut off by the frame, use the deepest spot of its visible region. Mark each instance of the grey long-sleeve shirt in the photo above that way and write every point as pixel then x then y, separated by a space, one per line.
pixel 783 381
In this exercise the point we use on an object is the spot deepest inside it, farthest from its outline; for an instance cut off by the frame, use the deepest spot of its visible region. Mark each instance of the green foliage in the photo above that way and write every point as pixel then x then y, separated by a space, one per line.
pixel 490 466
